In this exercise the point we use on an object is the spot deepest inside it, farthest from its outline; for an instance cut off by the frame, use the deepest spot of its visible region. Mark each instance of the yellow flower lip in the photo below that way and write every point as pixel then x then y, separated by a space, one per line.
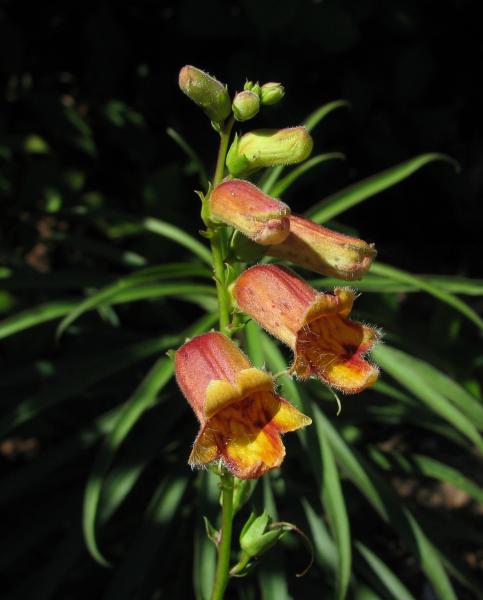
pixel 314 325
pixel 220 393
pixel 241 417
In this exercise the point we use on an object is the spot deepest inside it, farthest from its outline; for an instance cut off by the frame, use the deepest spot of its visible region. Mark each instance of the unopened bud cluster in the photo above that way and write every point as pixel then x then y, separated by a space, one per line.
pixel 212 96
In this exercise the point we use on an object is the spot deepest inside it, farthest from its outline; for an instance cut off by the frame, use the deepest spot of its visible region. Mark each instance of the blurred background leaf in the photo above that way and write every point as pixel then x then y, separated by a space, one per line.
pixel 99 157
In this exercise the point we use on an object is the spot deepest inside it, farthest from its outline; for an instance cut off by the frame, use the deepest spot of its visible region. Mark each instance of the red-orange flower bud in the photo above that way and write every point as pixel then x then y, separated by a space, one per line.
pixel 244 206
pixel 324 251
pixel 241 418
pixel 313 324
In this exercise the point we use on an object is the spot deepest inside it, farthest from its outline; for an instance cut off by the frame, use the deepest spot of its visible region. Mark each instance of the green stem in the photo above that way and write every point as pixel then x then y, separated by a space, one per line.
pixel 222 568
pixel 219 270
pixel 220 161
pixel 218 237
pixel 224 308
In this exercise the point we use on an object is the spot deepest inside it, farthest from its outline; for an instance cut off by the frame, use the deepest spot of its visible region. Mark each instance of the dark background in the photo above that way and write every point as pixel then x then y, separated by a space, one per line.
pixel 411 70
pixel 88 90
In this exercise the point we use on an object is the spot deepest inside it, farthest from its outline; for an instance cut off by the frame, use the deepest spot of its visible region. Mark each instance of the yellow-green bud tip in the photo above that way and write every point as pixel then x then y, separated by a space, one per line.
pixel 271 93
pixel 245 105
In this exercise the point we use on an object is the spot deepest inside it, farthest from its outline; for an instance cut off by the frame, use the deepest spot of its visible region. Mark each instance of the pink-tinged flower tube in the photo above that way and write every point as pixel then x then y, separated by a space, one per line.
pixel 242 205
pixel 241 417
pixel 324 251
pixel 315 325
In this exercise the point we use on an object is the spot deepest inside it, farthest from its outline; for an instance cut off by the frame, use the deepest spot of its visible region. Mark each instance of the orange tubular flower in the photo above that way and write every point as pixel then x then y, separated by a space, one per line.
pixel 313 324
pixel 240 415
pixel 324 251
pixel 243 206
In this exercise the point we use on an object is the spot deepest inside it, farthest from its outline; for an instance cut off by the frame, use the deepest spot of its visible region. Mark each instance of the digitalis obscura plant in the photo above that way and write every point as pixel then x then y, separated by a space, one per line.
pixel 241 415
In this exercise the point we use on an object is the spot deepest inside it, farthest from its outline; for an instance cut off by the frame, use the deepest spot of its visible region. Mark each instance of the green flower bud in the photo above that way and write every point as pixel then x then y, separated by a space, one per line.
pixel 255 538
pixel 268 148
pixel 205 91
pixel 245 105
pixel 271 93
pixel 252 87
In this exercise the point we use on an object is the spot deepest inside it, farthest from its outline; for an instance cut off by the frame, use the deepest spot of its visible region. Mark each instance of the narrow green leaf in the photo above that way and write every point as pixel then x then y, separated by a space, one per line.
pixel 144 397
pixel 434 290
pixel 272 175
pixel 457 285
pixel 344 199
pixel 320 113
pixel 204 557
pixel 161 512
pixel 122 478
pixel 177 235
pixel 379 284
pixel 35 316
pixel 389 506
pixel 283 184
pixel 325 549
pixel 253 339
pixel 431 561
pixel 393 584
pixel 191 154
pixel 137 285
pixel 468 404
pixel 334 503
pixel 272 572
pixel 277 364
pixel 403 368
pixel 93 370
pixel 419 464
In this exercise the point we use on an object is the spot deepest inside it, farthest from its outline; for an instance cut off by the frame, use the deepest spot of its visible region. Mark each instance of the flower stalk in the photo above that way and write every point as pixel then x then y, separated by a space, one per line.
pixel 226 478
pixel 223 565
pixel 217 236
pixel 241 417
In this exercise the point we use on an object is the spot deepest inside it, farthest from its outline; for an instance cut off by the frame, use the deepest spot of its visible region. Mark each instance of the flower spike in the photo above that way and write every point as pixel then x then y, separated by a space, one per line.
pixel 313 324
pixel 241 418
pixel 324 251
pixel 242 205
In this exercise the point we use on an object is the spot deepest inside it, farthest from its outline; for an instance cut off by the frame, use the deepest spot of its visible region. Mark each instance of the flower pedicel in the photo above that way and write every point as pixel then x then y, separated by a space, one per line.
pixel 313 324
pixel 241 417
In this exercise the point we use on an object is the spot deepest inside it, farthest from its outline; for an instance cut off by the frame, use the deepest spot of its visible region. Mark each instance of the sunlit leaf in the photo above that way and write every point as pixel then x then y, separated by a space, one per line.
pixel 283 184
pixel 404 369
pixel 403 277
pixel 177 235
pixel 272 175
pixel 333 500
pixel 144 397
pixel 391 582
pixel 343 200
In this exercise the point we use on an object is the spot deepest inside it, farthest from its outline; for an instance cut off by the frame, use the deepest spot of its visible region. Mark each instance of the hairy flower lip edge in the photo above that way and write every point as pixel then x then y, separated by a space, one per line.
pixel 312 313
pixel 245 384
